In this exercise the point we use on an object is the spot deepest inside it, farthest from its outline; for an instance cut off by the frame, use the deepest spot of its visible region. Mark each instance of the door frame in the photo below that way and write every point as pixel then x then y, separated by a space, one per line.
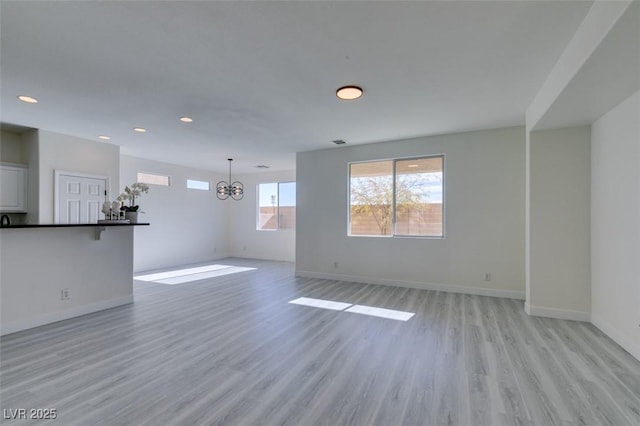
pixel 56 190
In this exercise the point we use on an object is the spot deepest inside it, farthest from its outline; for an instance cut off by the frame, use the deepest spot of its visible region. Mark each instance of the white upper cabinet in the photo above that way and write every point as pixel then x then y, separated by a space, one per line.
pixel 13 188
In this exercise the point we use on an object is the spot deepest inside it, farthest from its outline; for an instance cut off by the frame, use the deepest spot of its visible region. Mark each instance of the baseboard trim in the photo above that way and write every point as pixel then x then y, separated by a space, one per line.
pixel 480 291
pixel 564 314
pixel 14 327
pixel 626 342
pixel 274 258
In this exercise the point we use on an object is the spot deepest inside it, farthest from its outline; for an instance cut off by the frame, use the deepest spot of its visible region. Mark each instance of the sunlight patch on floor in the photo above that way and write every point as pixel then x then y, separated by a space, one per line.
pixel 355 309
pixel 380 312
pixel 319 303
pixel 186 275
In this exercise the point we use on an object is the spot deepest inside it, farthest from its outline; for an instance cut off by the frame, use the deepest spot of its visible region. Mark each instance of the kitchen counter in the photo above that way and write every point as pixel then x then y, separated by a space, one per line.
pixel 52 272
pixel 72 225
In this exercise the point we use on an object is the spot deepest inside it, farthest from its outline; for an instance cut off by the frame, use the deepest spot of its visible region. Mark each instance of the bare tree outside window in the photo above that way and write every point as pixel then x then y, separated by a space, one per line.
pixel 417 185
pixel 372 198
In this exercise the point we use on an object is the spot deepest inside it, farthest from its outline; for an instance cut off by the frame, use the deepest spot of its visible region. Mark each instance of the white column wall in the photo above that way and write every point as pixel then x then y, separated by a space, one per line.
pixel 615 224
pixel 559 221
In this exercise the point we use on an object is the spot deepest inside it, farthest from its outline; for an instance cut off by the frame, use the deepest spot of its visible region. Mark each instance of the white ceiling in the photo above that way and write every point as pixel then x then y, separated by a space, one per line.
pixel 259 78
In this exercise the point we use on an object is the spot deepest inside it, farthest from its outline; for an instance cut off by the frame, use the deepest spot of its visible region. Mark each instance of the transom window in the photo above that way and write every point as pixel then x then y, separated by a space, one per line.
pixel 153 179
pixel 201 185
pixel 403 197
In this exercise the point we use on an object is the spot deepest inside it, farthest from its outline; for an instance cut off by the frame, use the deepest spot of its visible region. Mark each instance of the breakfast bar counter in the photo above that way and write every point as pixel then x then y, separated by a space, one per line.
pixel 73 225
pixel 51 272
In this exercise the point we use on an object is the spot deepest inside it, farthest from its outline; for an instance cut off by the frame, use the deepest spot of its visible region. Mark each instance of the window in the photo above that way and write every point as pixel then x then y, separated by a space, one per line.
pixel 397 197
pixel 198 184
pixel 287 205
pixel 276 206
pixel 153 179
pixel 268 206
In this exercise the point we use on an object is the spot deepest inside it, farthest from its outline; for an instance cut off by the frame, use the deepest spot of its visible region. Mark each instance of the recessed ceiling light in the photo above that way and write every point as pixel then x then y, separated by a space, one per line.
pixel 412 165
pixel 139 129
pixel 28 99
pixel 104 137
pixel 348 93
pixel 186 119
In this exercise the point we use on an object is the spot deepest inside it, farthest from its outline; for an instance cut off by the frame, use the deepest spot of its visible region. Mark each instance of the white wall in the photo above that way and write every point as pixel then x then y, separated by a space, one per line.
pixel 615 224
pixel 187 226
pixel 559 221
pixel 69 153
pixel 37 263
pixel 245 239
pixel 484 214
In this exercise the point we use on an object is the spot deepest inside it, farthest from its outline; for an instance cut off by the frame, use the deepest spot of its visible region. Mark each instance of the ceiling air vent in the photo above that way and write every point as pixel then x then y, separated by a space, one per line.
pixel 339 142
pixel 262 166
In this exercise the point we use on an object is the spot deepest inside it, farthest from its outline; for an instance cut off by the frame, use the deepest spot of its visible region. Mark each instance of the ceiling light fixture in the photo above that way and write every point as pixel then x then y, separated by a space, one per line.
pixel 139 129
pixel 349 93
pixel 225 190
pixel 412 165
pixel 104 137
pixel 28 99
pixel 186 119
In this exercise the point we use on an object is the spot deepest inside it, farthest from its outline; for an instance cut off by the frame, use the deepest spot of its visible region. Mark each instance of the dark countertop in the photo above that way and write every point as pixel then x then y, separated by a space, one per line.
pixel 75 225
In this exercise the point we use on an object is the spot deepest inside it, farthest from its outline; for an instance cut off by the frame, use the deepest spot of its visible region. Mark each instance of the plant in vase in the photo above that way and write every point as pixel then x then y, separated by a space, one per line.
pixel 130 194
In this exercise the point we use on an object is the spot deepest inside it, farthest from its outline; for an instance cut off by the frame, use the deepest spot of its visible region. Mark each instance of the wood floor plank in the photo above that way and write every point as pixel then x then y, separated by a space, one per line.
pixel 231 350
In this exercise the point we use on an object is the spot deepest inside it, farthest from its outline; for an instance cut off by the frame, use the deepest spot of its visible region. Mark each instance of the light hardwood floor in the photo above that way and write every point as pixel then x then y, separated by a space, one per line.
pixel 231 350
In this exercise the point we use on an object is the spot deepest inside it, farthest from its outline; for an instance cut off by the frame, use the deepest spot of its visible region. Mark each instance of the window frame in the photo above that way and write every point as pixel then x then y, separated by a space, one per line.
pixel 198 180
pixel 278 183
pixel 169 178
pixel 393 216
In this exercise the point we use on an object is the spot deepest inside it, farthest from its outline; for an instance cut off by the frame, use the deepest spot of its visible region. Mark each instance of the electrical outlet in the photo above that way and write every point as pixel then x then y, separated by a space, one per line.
pixel 487 276
pixel 64 294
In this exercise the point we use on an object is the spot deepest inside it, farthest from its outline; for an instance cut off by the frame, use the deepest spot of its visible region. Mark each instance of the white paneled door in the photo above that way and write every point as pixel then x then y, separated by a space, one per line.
pixel 79 198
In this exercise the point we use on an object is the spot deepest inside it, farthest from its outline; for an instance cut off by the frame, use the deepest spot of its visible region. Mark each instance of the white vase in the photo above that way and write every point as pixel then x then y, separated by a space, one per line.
pixel 132 216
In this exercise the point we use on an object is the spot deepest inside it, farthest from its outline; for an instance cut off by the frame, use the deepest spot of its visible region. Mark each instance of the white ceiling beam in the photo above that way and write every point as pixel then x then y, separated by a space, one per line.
pixel 600 19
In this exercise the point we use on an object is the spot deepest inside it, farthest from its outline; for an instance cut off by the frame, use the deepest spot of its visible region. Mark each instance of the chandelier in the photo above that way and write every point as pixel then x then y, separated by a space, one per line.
pixel 225 190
